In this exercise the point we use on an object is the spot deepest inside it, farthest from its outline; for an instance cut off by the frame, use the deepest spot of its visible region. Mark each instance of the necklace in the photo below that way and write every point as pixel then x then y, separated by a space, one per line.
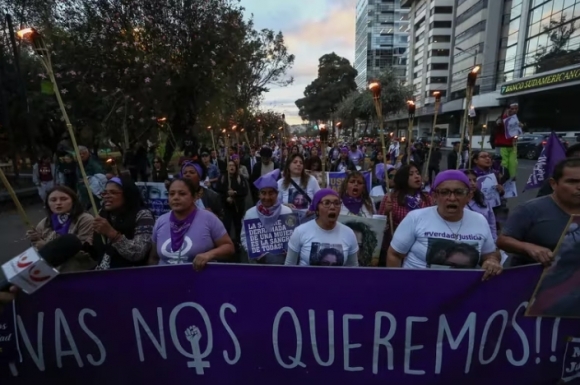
pixel 455 234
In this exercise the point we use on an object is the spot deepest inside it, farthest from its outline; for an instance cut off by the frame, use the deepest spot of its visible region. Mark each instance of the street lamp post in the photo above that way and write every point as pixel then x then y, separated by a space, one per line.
pixel 471 80
pixel 437 96
pixel 35 38
pixel 411 110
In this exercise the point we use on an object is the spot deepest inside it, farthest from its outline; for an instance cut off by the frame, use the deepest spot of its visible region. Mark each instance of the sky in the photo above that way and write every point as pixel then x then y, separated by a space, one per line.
pixel 311 29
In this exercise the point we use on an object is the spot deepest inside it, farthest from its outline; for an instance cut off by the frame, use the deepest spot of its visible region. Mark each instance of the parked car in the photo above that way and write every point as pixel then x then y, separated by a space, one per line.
pixel 530 145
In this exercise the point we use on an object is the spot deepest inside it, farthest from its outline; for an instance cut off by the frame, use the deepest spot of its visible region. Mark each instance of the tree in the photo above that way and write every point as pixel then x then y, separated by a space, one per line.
pixel 122 64
pixel 335 81
pixel 556 55
pixel 359 105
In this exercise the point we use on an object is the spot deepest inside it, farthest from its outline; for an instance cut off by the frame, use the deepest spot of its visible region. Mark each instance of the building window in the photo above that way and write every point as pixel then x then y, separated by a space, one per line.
pixel 439 52
pixel 441 10
pixel 460 19
pixel 437 79
pixel 419 37
pixel 439 66
pixel 440 39
pixel 417 74
pixel 470 32
pixel 440 24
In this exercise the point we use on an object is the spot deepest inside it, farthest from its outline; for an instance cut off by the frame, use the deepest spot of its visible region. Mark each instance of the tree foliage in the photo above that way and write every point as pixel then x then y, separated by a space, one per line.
pixel 359 105
pixel 335 81
pixel 557 54
pixel 126 63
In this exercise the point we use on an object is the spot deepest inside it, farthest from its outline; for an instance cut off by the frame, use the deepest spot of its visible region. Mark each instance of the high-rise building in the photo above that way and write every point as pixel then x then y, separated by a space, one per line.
pixel 382 31
pixel 448 38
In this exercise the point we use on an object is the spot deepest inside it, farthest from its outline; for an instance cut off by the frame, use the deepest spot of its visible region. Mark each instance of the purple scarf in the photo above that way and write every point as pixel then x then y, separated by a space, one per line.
pixel 60 223
pixel 178 229
pixel 354 205
pixel 413 201
pixel 268 216
pixel 479 172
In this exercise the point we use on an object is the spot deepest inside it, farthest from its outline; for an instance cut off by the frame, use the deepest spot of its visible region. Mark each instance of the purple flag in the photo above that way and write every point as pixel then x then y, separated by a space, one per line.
pixel 247 324
pixel 552 153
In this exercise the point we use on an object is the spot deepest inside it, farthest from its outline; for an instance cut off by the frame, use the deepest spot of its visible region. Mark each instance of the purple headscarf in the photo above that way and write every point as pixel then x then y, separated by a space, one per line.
pixel 321 194
pixel 197 167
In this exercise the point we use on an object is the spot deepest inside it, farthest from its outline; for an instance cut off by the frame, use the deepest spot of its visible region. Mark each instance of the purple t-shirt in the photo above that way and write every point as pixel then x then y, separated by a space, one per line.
pixel 205 229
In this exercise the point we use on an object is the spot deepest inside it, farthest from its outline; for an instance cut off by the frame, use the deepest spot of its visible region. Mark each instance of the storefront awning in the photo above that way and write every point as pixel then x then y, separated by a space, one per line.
pixel 563 77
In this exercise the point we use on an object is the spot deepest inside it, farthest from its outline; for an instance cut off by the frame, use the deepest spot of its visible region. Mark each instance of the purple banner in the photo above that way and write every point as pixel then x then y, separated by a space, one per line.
pixel 251 324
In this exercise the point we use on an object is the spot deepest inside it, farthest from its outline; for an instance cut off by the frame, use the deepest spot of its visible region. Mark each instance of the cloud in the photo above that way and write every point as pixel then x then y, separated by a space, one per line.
pixel 321 27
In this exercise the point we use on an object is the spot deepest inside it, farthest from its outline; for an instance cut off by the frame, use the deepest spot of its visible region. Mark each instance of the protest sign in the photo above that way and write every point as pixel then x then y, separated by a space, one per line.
pixel 369 233
pixel 487 184
pixel 155 196
pixel 571 361
pixel 334 180
pixel 252 324
pixel 512 126
pixel 261 241
pixel 558 291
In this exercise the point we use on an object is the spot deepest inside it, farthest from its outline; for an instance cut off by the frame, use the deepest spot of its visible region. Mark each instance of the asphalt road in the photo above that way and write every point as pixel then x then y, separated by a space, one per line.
pixel 12 230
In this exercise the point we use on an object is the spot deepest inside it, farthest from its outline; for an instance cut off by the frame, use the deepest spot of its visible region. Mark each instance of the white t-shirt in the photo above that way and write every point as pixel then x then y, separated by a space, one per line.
pixel 294 196
pixel 427 239
pixel 319 247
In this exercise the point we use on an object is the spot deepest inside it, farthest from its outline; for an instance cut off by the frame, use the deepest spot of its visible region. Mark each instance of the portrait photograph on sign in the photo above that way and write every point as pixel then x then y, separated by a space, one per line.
pixel 447 253
pixel 558 291
pixel 326 254
pixel 369 234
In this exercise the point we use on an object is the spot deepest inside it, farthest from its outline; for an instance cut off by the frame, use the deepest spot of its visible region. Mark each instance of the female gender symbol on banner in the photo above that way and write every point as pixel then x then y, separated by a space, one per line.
pixel 193 335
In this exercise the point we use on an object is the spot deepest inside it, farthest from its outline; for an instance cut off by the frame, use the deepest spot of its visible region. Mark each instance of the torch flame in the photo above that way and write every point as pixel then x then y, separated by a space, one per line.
pixel 161 119
pixel 475 69
pixel 110 160
pixel 24 33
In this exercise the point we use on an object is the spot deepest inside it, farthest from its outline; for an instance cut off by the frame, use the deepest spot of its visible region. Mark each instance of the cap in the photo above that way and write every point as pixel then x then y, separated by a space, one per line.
pixel 321 194
pixel 269 180
pixel 448 175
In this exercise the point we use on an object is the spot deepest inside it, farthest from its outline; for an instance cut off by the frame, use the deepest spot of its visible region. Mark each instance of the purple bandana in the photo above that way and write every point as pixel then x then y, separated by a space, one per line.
pixel 197 167
pixel 178 229
pixel 354 205
pixel 479 172
pixel 60 223
pixel 413 201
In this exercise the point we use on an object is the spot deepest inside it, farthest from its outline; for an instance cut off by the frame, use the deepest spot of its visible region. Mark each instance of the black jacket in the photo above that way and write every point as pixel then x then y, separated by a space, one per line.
pixel 350 166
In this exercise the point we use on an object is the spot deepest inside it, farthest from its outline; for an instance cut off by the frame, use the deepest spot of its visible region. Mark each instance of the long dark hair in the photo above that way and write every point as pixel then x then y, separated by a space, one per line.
pixel 304 177
pixel 366 197
pixel 478 196
pixel 76 209
pixel 125 219
pixel 401 181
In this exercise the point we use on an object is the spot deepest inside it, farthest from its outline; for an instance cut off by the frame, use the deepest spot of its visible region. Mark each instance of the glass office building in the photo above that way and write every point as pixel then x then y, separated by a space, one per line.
pixel 382 31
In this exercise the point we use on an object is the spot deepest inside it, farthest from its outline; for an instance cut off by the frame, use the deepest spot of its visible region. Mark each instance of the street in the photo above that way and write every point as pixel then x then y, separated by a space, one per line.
pixel 12 230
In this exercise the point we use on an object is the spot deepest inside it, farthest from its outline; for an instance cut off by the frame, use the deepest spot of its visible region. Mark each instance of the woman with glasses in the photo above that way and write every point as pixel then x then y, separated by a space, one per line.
pixel 355 196
pixel 159 173
pixel 123 228
pixel 323 241
pixel 479 205
pixel 407 194
pixel 482 166
pixel 446 235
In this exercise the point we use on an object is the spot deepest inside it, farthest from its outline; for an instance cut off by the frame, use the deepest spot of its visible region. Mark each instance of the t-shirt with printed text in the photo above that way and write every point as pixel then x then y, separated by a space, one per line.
pixel 428 240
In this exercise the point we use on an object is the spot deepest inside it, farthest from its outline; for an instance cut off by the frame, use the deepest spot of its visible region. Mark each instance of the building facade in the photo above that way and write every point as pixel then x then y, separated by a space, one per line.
pixel 541 69
pixel 448 38
pixel 382 31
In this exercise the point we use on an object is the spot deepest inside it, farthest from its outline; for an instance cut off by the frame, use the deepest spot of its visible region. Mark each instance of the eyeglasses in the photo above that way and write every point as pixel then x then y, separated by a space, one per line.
pixel 327 204
pixel 459 193
pixel 485 156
